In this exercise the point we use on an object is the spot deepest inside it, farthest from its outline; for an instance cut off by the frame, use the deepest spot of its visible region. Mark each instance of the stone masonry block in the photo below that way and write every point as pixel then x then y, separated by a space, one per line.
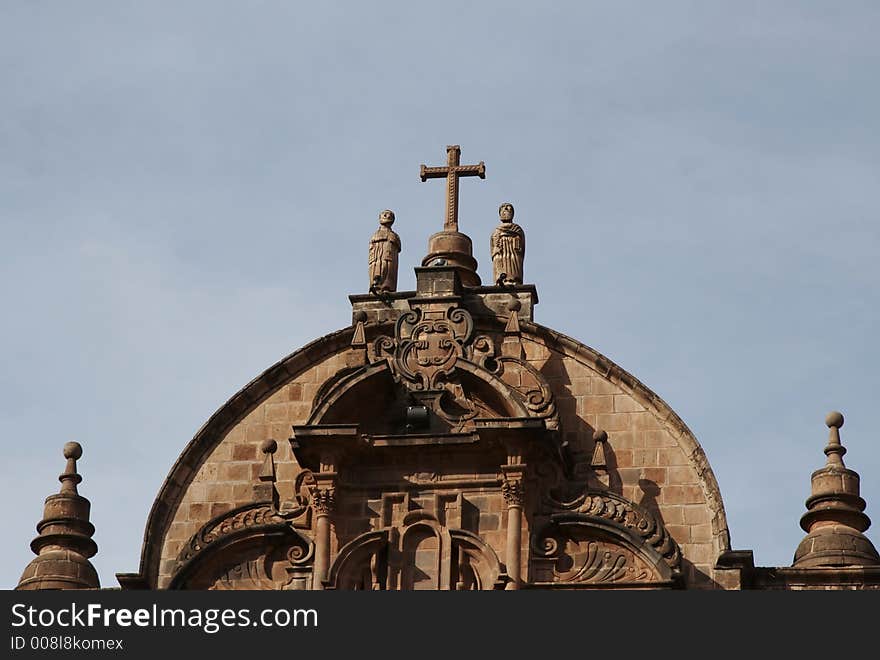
pixel 681 533
pixel 658 439
pixel 280 431
pixel 673 495
pixel 235 435
pixel 697 553
pixel 701 532
pixel 656 474
pixel 309 392
pixel 309 376
pixel 276 412
pixel 625 403
pixel 242 493
pixel 245 452
pixel 255 416
pixel 222 452
pixel 672 456
pixel 581 386
pixel 693 495
pixel 727 579
pixel 614 421
pixel 235 471
pixel 625 440
pixel 644 457
pixel 673 515
pixel 197 492
pixel 219 492
pixel 596 404
pixel 219 508
pixel 173 548
pixel 298 412
pixel 256 433
pixel 682 475
pixel 208 472
pixel 624 458
pixel 682 495
pixel 199 512
pixel 535 351
pixel 629 477
pixel 294 392
pixel 181 531
pixel 696 515
pixel 645 421
pixel 602 386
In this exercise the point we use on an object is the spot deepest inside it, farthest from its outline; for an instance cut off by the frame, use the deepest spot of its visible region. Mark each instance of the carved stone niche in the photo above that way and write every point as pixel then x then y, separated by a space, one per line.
pixel 421 555
pixel 249 548
pixel 575 550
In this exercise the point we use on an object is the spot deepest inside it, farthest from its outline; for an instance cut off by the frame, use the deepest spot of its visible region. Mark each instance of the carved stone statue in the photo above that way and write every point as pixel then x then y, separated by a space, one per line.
pixel 508 245
pixel 384 247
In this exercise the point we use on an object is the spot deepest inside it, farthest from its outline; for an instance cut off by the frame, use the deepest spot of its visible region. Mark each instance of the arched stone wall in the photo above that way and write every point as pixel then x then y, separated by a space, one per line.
pixel 653 458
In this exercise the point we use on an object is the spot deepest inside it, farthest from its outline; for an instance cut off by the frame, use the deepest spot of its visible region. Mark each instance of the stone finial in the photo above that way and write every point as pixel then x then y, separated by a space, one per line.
pixel 834 520
pixel 264 489
pixel 512 344
pixel 508 248
pixel 384 248
pixel 600 437
pixel 834 451
pixel 357 357
pixel 268 447
pixel 599 461
pixel 64 544
pixel 72 452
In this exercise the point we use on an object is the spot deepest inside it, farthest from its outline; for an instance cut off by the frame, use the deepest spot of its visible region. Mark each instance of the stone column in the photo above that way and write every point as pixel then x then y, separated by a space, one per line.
pixel 513 492
pixel 323 505
pixel 323 502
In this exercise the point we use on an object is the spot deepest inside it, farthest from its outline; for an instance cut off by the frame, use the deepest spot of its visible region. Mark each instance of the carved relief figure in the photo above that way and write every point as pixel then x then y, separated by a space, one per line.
pixel 384 247
pixel 508 245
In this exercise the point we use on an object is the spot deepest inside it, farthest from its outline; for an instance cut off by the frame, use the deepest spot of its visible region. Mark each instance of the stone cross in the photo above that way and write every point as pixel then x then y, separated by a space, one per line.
pixel 452 172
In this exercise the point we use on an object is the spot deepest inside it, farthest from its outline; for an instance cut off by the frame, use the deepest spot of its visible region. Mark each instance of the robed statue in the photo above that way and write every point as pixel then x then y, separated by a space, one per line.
pixel 384 248
pixel 508 245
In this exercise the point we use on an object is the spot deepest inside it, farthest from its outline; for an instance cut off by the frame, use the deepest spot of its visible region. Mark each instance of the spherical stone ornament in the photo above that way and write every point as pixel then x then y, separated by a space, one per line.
pixel 268 446
pixel 834 419
pixel 73 450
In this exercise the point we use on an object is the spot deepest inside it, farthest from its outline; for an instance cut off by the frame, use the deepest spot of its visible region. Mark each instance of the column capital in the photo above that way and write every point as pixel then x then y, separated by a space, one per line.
pixel 513 489
pixel 324 499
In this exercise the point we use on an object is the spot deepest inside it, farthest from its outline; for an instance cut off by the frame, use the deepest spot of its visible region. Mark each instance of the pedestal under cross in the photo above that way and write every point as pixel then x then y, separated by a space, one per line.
pixel 452 172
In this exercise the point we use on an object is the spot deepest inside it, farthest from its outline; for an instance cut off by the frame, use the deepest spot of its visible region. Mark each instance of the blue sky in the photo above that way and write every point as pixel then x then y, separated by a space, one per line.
pixel 187 191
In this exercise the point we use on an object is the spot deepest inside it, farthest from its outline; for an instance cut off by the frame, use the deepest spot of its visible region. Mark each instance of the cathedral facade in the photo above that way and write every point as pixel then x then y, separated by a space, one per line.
pixel 445 440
